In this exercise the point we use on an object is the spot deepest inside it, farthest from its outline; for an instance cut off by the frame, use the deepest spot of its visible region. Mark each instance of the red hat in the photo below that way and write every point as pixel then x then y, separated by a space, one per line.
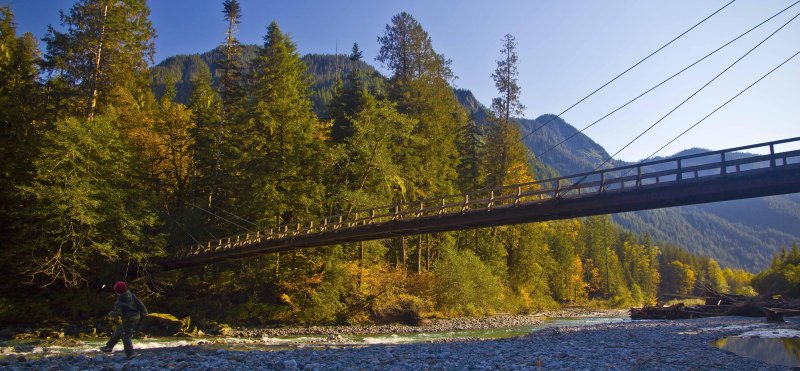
pixel 120 287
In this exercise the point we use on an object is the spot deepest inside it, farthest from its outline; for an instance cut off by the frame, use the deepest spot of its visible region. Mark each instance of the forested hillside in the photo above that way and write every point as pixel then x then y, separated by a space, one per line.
pixel 116 165
pixel 323 71
pixel 742 233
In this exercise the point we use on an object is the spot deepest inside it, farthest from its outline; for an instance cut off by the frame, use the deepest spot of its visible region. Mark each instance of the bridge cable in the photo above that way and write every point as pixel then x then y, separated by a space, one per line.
pixel 690 97
pixel 218 216
pixel 627 70
pixel 183 228
pixel 663 82
pixel 227 212
pixel 721 106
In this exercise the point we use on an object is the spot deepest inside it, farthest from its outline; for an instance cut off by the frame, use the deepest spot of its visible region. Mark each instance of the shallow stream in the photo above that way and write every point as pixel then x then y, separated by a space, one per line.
pixel 780 347
pixel 31 349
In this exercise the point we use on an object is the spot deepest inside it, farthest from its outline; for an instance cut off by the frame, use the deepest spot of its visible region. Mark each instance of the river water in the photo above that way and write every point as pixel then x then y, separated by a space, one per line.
pixel 32 350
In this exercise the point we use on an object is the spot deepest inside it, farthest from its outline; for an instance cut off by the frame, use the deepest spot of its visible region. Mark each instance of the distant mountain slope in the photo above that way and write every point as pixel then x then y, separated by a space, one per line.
pixel 323 70
pixel 743 233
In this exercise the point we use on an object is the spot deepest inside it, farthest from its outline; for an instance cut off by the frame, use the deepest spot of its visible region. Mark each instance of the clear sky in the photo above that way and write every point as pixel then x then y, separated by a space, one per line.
pixel 566 50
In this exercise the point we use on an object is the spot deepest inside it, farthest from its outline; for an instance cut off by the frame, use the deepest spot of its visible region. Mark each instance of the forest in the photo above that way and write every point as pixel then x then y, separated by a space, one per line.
pixel 105 172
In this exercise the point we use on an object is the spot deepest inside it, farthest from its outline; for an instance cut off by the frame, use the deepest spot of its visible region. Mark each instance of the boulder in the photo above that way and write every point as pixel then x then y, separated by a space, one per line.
pixel 164 324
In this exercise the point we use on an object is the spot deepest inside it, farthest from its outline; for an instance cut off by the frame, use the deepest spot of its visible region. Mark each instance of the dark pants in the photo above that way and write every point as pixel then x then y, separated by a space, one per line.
pixel 124 331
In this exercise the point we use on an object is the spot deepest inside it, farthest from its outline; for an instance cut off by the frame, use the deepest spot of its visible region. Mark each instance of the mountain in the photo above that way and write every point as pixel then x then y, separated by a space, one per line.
pixel 742 233
pixel 324 69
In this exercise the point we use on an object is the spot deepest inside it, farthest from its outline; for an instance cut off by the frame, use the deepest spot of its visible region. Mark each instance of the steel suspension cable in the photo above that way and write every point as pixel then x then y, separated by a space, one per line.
pixel 628 70
pixel 691 96
pixel 723 105
pixel 663 82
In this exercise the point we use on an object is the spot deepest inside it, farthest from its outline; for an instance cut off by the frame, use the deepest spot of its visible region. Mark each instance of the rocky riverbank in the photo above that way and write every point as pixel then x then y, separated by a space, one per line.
pixel 428 325
pixel 622 345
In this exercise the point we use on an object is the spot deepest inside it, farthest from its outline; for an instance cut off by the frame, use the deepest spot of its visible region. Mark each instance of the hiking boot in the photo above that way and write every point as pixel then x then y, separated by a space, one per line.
pixel 106 349
pixel 131 356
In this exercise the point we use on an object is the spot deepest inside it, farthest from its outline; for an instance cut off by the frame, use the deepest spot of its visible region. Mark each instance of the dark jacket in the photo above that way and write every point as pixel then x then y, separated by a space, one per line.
pixel 128 305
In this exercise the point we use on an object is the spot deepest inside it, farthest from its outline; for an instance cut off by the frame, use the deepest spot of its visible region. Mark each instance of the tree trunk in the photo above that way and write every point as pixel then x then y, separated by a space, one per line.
pixel 419 255
pixel 96 75
pixel 403 252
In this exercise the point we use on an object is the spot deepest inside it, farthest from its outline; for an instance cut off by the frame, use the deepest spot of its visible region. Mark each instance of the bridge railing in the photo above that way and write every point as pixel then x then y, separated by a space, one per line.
pixel 618 179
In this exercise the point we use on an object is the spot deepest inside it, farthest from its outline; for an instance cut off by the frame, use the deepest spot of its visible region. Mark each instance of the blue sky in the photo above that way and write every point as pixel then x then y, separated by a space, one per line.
pixel 566 50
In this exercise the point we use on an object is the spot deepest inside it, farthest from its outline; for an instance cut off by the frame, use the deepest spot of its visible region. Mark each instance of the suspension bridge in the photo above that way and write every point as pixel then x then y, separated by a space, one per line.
pixel 729 174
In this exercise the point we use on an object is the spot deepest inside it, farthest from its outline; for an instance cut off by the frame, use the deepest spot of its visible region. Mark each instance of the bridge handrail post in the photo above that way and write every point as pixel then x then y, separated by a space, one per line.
pixel 396 212
pixel 679 177
pixel 518 197
pixel 372 217
pixel 772 155
pixel 602 182
pixel 466 203
pixel 638 176
pixel 558 188
pixel 724 169
pixel 442 207
pixel 491 200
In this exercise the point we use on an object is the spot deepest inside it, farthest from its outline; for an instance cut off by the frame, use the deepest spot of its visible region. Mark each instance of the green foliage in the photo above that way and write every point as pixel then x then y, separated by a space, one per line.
pixel 21 109
pixel 465 285
pixel 739 281
pixel 420 87
pixel 82 215
pixel 783 276
pixel 103 55
pixel 279 153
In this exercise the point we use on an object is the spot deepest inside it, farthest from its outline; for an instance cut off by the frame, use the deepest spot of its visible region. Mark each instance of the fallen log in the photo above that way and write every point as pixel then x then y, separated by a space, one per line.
pixel 774 309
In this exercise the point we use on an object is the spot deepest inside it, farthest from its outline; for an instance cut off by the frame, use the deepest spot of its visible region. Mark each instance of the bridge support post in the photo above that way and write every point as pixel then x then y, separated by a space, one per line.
pixel 771 155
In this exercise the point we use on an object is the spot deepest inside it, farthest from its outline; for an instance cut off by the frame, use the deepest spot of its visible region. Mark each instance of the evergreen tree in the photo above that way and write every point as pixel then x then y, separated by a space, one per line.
pixel 83 218
pixel 206 108
pixel 507 155
pixel 505 80
pixel 20 112
pixel 356 54
pixel 281 152
pixel 230 68
pixel 471 152
pixel 101 59
pixel 420 87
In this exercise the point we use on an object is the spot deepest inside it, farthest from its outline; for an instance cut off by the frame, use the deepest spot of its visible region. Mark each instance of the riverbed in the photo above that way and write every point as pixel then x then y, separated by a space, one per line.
pixel 554 343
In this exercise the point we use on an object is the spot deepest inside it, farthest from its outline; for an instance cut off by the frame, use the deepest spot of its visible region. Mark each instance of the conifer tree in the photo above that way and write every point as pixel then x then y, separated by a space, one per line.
pixel 280 154
pixel 83 219
pixel 420 88
pixel 206 108
pixel 20 112
pixel 507 154
pixel 102 57
pixel 230 68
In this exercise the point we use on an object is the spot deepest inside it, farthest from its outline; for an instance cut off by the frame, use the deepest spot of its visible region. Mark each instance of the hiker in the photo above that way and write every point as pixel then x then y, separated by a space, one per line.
pixel 131 309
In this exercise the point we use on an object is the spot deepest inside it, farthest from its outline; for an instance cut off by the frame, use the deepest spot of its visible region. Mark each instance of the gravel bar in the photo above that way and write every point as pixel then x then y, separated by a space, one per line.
pixel 662 345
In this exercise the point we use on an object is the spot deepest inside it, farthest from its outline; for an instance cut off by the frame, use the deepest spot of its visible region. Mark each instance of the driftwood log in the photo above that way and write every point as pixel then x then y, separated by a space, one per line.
pixel 774 309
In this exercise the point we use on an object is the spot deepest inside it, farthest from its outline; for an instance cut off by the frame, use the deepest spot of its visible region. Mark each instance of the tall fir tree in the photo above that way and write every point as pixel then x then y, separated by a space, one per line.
pixel 507 154
pixel 420 88
pixel 20 125
pixel 101 58
pixel 281 153
pixel 206 107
